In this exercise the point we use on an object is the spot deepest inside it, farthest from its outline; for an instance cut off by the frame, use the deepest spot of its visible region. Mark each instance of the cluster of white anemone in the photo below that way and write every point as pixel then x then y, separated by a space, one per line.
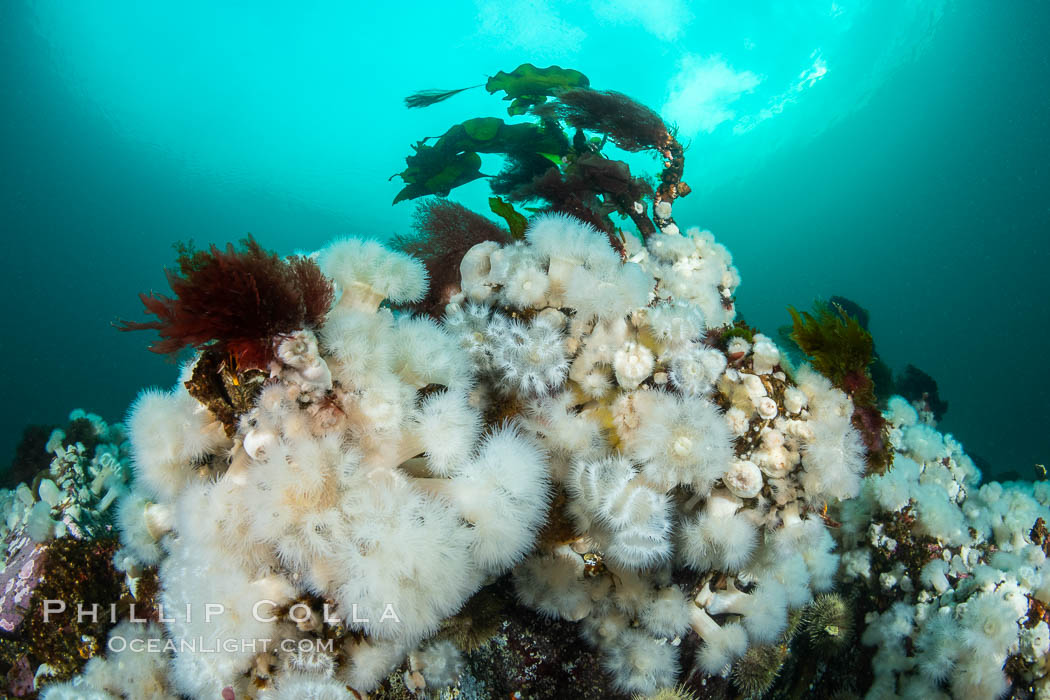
pixel 950 626
pixel 363 477
pixel 670 452
pixel 75 496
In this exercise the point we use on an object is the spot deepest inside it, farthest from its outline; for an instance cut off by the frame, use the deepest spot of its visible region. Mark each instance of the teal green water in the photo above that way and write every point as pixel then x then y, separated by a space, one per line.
pixel 891 152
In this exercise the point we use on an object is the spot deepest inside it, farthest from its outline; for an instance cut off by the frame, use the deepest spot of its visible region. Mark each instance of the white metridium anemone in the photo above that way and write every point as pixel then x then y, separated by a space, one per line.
pixel 773 457
pixel 381 406
pixel 676 324
pixel 900 412
pixel 794 400
pixel 670 248
pixel 667 614
pixel 300 363
pixel 554 585
pixel 764 609
pixel 399 541
pixel 722 644
pixel 135 671
pixel 446 430
pixel 989 622
pixel 357 344
pixel 169 432
pixel 719 537
pixel 468 325
pixel 595 383
pixel 633 363
pixel 765 355
pixel 554 419
pixel 810 539
pixel 737 421
pixel 370 661
pixel 765 407
pixel 528 359
pixel 568 243
pixel 527 287
pixel 142 524
pixel 503 493
pixel 737 347
pixel 440 663
pixel 744 479
pixel 696 370
pixel 833 461
pixel 608 291
pixel 924 443
pixel 679 441
pixel 425 354
pixel 366 273
pixel 242 612
pixel 640 663
pixel 604 340
pixel 637 517
pixel 474 271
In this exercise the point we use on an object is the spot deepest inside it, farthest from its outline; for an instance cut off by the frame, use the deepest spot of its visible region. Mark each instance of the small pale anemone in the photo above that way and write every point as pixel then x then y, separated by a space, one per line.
pixel 744 479
pixel 677 323
pixel 695 371
pixel 467 325
pixel 527 287
pixel 529 359
pixel 475 269
pixel 766 356
pixel 596 383
pixel 633 363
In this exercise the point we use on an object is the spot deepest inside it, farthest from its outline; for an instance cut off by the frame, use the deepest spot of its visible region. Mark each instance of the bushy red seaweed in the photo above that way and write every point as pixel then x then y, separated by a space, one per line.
pixel 235 301
pixel 630 125
pixel 445 231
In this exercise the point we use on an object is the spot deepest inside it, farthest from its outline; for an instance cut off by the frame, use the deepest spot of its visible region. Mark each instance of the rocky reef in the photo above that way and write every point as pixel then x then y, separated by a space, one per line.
pixel 545 460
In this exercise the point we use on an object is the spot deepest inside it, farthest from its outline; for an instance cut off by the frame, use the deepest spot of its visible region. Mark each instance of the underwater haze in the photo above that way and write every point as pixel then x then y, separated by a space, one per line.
pixel 894 153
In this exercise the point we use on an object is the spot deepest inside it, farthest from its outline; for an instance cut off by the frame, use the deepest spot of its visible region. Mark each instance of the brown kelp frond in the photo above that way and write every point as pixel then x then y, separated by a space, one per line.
pixel 835 342
pixel 445 231
pixel 630 125
pixel 425 98
pixel 557 158
pixel 841 349
pixel 236 301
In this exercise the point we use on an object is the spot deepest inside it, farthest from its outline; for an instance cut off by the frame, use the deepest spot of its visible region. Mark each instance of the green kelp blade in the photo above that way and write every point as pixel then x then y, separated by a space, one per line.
pixel 515 221
pixel 482 128
pixel 493 135
pixel 437 172
pixel 528 85
pixel 554 158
